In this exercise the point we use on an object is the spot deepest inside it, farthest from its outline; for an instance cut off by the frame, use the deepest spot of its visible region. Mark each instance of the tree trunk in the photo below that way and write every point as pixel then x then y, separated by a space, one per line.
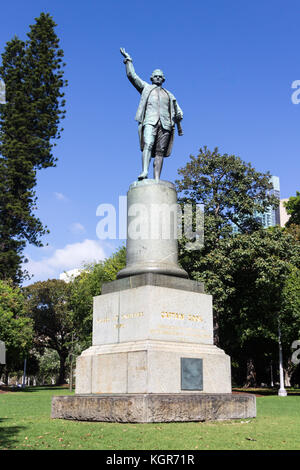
pixel 287 378
pixel 288 371
pixel 62 367
pixel 1 369
pixel 271 375
pixel 251 374
pixel 6 375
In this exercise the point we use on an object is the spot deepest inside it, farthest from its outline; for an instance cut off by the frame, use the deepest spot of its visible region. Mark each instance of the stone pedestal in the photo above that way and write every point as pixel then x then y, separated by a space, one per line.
pixel 152 357
pixel 152 228
pixel 141 334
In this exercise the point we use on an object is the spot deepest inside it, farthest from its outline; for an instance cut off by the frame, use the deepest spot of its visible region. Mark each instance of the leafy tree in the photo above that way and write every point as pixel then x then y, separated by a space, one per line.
pixel 29 124
pixel 290 323
pixel 290 309
pixel 246 271
pixel 294 230
pixel 49 365
pixel 16 329
pixel 247 275
pixel 48 304
pixel 230 189
pixel 293 208
pixel 88 285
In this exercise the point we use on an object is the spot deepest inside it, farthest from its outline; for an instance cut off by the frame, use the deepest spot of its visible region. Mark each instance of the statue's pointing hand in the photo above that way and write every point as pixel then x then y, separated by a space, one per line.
pixel 124 53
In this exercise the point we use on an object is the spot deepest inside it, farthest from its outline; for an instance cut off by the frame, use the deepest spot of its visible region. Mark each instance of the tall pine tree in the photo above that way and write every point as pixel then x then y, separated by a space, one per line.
pixel 29 125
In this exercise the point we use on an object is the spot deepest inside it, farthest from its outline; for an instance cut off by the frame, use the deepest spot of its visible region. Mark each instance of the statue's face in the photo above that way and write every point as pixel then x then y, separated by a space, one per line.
pixel 157 77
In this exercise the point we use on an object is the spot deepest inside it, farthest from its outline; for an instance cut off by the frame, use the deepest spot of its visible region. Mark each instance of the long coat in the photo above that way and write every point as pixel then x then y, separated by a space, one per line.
pixel 145 89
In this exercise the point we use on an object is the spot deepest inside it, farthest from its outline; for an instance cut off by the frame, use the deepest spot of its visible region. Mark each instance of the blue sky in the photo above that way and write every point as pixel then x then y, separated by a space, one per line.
pixel 230 64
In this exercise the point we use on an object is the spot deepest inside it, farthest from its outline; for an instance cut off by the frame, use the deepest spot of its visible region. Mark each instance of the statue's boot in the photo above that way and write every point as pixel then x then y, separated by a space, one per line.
pixel 146 162
pixel 158 163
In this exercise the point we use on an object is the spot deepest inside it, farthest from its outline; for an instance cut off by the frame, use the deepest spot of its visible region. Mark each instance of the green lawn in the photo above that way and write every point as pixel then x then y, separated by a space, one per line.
pixel 25 423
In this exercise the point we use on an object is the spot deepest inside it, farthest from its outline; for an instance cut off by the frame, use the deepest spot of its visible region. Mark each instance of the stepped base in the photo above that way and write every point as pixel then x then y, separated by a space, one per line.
pixel 152 367
pixel 154 408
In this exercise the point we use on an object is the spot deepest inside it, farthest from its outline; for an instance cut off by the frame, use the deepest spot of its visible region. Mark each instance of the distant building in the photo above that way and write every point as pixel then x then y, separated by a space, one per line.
pixel 284 216
pixel 270 217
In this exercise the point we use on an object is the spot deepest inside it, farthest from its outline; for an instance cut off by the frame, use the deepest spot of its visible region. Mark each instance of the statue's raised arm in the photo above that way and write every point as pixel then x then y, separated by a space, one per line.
pixel 124 53
pixel 136 81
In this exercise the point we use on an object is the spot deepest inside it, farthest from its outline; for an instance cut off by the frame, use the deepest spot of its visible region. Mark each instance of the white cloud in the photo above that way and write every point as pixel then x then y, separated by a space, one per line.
pixel 60 197
pixel 77 227
pixel 68 276
pixel 72 256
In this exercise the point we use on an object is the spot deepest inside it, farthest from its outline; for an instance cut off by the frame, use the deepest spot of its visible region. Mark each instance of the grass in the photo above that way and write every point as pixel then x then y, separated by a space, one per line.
pixel 25 423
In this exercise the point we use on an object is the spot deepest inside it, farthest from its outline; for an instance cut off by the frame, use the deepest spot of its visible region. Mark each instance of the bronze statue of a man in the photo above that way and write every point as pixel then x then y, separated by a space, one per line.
pixel 157 114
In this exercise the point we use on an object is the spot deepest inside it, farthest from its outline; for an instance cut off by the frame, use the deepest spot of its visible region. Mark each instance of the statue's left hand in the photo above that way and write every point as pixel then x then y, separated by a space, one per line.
pixel 178 117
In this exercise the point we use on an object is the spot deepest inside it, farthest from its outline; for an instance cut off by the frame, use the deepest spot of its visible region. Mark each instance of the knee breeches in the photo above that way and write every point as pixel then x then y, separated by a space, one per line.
pixel 156 139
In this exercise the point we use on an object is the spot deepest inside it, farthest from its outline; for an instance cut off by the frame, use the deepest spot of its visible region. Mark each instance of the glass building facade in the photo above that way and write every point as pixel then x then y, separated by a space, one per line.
pixel 270 217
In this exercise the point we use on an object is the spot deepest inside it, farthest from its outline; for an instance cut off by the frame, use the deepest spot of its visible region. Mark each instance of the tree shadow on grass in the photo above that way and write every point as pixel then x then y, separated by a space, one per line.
pixel 8 434
pixel 29 389
pixel 44 388
pixel 265 391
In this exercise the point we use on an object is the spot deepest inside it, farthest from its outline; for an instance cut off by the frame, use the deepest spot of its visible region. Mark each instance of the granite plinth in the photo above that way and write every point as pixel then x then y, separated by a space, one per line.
pixel 153 279
pixel 154 408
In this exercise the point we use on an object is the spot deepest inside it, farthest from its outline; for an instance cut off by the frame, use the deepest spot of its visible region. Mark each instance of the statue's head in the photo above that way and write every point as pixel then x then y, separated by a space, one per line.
pixel 157 77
